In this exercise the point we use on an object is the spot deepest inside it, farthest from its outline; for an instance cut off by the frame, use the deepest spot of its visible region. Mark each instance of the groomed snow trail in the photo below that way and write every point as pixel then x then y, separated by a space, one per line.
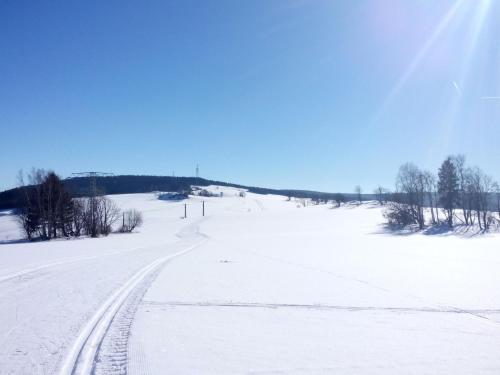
pixel 64 304
pixel 62 262
pixel 87 356
pixel 279 287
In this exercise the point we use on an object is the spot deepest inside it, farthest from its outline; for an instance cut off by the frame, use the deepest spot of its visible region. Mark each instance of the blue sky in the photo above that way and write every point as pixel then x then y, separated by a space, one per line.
pixel 319 95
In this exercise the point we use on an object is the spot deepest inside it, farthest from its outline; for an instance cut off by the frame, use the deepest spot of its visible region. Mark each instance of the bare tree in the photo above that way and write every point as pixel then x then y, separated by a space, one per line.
pixel 339 199
pixel 430 191
pixel 497 196
pixel 48 211
pixel 406 206
pixel 90 219
pixel 411 182
pixel 482 187
pixel 476 194
pixel 131 220
pixel 107 213
pixel 24 222
pixel 465 188
pixel 358 191
pixel 381 195
pixel 24 212
pixel 36 210
pixel 78 217
pixel 467 196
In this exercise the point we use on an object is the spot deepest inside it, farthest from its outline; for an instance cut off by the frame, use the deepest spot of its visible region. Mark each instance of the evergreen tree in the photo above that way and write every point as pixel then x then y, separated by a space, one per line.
pixel 448 189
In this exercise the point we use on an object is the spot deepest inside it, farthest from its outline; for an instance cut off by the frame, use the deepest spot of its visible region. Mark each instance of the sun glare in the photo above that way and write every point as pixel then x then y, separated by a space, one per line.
pixel 459 16
pixel 474 27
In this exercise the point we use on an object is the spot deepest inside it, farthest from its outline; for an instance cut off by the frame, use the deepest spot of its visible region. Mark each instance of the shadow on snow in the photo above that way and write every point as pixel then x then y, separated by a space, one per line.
pixel 439 229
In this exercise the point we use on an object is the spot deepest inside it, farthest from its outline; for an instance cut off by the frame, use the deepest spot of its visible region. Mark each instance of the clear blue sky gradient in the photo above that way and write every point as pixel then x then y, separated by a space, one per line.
pixel 319 95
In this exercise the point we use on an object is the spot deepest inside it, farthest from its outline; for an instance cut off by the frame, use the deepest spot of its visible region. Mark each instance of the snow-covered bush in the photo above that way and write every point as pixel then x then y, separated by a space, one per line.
pixel 399 214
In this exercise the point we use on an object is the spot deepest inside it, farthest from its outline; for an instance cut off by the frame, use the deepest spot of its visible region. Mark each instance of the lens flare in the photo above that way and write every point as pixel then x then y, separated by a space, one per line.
pixel 419 57
pixel 458 37
pixel 469 48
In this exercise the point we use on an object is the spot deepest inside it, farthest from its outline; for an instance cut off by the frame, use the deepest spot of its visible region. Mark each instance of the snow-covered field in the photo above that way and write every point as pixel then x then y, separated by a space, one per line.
pixel 259 285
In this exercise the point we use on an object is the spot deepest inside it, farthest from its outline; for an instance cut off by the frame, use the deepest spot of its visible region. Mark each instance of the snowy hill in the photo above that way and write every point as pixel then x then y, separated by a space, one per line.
pixel 260 284
pixel 79 186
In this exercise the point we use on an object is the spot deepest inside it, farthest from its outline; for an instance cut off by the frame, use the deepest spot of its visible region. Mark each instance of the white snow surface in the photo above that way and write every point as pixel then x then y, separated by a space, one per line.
pixel 259 285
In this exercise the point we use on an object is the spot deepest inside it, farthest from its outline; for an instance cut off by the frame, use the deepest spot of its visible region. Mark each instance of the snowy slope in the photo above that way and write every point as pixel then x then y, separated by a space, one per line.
pixel 259 285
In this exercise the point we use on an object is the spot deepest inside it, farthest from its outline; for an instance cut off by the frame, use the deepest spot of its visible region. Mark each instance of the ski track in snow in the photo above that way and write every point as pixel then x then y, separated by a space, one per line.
pixel 440 308
pixel 101 346
pixel 316 269
pixel 63 262
pixel 451 310
pixel 84 315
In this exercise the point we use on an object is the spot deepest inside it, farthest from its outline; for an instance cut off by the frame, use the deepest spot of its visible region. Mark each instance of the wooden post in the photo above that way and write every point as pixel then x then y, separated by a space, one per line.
pixel 203 208
pixel 185 210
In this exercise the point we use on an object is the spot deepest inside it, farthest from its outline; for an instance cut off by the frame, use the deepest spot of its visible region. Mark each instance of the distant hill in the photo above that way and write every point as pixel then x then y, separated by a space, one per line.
pixel 79 187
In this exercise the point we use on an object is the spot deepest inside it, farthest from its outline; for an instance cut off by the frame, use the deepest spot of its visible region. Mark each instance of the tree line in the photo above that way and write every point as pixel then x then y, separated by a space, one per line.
pixel 461 194
pixel 49 211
